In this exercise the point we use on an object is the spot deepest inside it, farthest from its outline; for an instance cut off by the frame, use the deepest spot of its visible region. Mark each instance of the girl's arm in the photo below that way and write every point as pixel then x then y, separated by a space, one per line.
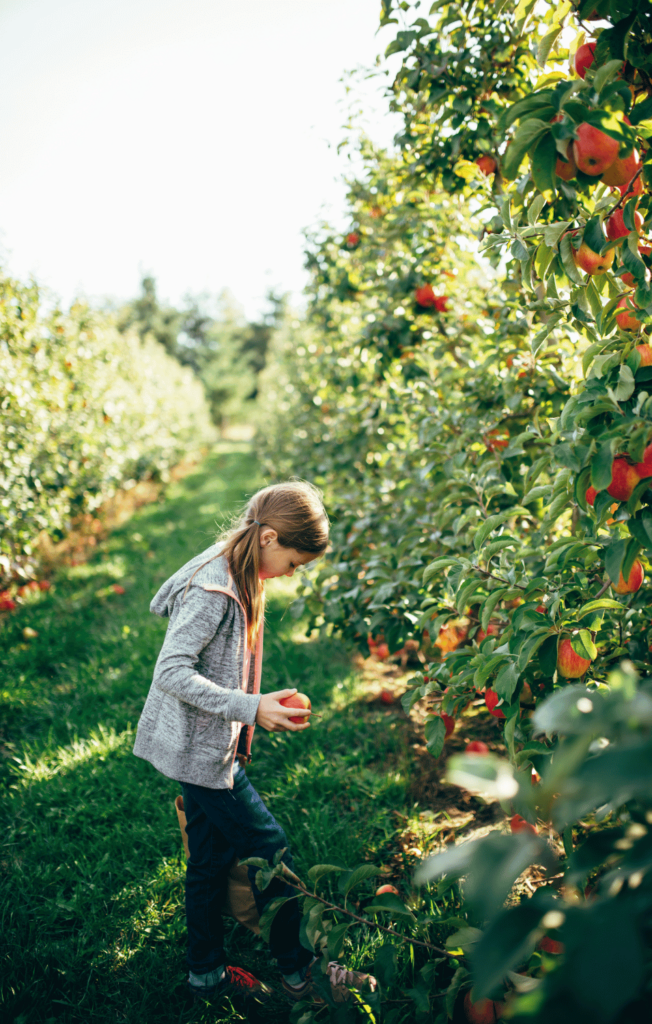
pixel 196 623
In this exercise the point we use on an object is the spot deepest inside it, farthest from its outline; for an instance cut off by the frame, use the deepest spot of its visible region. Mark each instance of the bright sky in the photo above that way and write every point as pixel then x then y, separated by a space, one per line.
pixel 190 139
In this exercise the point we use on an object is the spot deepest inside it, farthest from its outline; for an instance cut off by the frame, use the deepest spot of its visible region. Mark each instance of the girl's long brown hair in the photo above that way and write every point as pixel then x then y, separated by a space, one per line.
pixel 296 511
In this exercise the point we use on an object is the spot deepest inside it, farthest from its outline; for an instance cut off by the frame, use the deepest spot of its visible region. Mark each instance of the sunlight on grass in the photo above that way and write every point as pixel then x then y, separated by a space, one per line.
pixel 100 743
pixel 115 567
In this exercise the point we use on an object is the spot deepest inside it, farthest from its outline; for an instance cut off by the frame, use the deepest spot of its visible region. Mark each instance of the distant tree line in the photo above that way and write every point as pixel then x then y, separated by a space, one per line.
pixel 212 337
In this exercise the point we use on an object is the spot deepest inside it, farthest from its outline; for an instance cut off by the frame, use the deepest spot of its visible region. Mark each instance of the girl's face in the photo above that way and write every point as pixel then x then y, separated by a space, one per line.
pixel 275 560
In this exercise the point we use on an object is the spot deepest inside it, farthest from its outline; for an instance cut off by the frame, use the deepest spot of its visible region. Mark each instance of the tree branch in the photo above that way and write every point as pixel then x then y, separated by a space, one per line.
pixel 365 920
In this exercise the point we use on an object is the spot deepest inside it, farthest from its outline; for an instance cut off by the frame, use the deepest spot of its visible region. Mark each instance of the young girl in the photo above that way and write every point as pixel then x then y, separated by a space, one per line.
pixel 198 723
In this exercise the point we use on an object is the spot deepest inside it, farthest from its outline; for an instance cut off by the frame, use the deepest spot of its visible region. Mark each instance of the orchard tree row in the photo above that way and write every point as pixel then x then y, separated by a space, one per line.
pixel 84 410
pixel 482 429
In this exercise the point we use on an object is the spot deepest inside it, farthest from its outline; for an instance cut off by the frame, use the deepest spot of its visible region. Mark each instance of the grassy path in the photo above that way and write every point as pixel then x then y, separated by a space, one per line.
pixel 91 863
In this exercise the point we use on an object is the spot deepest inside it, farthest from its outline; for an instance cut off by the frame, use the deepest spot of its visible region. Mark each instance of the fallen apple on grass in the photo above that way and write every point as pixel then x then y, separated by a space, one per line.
pixel 569 664
pixel 297 700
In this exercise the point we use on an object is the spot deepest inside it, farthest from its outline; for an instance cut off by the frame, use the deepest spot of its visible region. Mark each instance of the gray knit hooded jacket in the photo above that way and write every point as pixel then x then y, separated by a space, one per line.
pixel 206 685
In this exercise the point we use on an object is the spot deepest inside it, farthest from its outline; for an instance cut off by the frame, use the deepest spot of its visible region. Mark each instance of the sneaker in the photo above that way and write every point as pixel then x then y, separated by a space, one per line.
pixel 235 983
pixel 341 982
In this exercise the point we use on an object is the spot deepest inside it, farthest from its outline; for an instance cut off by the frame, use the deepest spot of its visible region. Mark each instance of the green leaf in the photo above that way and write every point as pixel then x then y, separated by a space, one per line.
pixel 583 645
pixel 601 602
pixel 493 522
pixel 548 656
pixel 389 902
pixel 613 559
pixel 460 976
pixel 601 466
pixel 507 941
pixel 525 136
pixel 546 43
pixel 606 73
pixel 640 526
pixel 572 272
pixel 495 597
pixel 336 937
pixel 385 964
pixel 317 871
pixel 507 681
pixel 435 734
pixel 438 565
pixel 269 913
pixel 625 387
pixel 359 874
pixel 543 162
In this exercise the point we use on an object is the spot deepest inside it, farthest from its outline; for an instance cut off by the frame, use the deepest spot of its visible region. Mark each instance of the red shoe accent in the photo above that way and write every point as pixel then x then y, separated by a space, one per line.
pixel 240 979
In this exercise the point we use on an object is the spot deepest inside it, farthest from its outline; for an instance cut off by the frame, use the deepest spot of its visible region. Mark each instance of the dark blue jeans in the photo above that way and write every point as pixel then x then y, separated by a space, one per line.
pixel 223 824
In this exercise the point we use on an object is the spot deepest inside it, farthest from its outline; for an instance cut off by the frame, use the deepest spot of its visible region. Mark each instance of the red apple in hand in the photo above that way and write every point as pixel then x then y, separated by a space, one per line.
pixel 633 582
pixel 569 664
pixel 297 700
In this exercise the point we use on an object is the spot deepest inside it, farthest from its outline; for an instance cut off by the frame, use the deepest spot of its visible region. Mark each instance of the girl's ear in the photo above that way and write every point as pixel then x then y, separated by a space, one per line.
pixel 267 534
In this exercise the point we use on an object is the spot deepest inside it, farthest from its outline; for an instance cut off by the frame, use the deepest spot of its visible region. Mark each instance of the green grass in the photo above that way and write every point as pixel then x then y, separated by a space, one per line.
pixel 91 868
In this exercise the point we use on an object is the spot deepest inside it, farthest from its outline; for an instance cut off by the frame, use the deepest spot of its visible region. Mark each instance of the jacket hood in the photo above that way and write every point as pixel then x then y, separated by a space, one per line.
pixel 215 571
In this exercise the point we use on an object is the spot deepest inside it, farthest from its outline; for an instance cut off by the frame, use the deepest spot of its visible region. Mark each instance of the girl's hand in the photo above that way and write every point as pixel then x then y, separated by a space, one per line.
pixel 275 718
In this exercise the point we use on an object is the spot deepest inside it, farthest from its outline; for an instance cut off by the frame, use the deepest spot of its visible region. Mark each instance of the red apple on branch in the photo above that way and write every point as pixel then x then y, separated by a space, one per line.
pixel 594 151
pixel 615 225
pixel 624 478
pixel 487 164
pixel 633 582
pixel 569 664
pixel 584 58
pixel 491 699
pixel 622 170
pixel 496 440
pixel 588 260
pixel 626 320
pixel 645 353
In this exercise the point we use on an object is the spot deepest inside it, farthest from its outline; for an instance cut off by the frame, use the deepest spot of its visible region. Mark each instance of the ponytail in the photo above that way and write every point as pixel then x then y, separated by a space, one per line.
pixel 295 510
